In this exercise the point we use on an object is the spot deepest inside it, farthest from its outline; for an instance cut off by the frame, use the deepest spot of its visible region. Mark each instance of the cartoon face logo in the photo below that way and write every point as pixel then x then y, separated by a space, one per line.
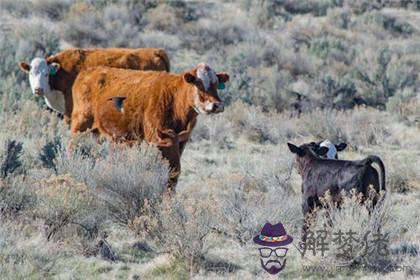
pixel 273 242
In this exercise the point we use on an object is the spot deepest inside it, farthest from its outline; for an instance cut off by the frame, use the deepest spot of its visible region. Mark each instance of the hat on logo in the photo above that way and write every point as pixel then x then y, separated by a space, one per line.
pixel 273 236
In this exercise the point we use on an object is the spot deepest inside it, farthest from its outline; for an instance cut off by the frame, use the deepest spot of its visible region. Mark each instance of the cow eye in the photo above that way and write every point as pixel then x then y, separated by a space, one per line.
pixel 200 86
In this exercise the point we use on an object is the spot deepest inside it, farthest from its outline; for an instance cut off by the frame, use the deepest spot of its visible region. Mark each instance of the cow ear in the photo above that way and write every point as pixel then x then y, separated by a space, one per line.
pixel 25 67
pixel 340 147
pixel 190 78
pixel 296 150
pixel 322 150
pixel 54 67
pixel 222 77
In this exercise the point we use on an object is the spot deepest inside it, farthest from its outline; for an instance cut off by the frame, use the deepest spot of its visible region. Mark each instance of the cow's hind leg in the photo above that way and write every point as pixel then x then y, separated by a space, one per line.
pixel 80 122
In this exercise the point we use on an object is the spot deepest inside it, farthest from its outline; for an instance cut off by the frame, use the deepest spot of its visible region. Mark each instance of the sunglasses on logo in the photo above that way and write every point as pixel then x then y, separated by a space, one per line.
pixel 266 252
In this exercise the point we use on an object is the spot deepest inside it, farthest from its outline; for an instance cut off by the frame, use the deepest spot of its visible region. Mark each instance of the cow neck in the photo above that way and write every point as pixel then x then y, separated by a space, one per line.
pixel 184 103
pixel 304 164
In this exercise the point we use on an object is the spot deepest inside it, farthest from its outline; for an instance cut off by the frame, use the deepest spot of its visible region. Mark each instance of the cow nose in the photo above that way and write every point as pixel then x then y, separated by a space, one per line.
pixel 219 107
pixel 38 91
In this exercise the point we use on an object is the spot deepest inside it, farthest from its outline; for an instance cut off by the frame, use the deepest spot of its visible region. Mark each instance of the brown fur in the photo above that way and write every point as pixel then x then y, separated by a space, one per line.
pixel 72 61
pixel 154 101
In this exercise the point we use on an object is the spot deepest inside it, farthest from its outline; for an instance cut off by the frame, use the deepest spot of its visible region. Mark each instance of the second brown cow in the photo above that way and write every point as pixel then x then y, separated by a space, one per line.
pixel 53 77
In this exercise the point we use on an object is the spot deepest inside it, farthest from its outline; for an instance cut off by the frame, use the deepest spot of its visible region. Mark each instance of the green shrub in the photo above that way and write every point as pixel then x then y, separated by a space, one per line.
pixel 323 46
pixel 377 82
pixel 391 24
pixel 49 153
pixel 10 159
pixel 316 7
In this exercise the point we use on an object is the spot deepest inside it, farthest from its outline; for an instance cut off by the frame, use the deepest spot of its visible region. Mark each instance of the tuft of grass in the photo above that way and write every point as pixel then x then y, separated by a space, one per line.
pixel 63 202
pixel 16 197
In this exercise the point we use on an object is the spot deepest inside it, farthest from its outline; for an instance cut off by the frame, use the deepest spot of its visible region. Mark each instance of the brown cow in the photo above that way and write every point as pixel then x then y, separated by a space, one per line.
pixel 154 101
pixel 53 77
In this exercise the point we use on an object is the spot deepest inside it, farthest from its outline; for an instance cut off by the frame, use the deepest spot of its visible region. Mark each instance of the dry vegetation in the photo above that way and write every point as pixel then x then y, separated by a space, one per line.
pixel 300 71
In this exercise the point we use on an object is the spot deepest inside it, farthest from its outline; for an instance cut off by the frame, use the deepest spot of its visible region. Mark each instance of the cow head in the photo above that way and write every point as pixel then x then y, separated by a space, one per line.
pixel 304 155
pixel 206 82
pixel 332 149
pixel 39 74
pixel 305 149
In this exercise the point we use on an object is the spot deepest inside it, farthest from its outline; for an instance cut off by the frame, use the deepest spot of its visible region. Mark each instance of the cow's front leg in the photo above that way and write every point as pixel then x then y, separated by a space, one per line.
pixel 171 154
pixel 175 170
pixel 308 207
pixel 306 217
pixel 68 107
pixel 182 147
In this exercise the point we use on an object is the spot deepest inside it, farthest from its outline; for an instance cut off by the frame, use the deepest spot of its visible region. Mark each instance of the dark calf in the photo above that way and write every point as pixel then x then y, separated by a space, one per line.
pixel 372 175
pixel 321 175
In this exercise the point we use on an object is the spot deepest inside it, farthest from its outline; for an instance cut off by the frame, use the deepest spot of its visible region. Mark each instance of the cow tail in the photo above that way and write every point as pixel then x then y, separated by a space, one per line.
pixel 378 161
pixel 162 55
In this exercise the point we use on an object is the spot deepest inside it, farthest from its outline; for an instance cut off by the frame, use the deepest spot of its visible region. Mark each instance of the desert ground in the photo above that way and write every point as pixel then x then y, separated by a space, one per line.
pixel 301 71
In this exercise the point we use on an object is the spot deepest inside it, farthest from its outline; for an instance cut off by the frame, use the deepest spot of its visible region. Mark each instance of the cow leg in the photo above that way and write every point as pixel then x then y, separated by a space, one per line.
pixel 80 122
pixel 372 183
pixel 308 207
pixel 306 217
pixel 67 120
pixel 173 180
pixel 175 171
pixel 68 101
pixel 182 147
pixel 172 155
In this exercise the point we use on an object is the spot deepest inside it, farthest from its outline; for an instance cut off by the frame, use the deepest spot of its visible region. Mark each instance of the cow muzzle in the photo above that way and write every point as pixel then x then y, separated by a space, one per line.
pixel 218 107
pixel 211 108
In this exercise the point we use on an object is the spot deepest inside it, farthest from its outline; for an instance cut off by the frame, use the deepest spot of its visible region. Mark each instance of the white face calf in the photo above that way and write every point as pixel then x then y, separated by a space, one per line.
pixel 39 78
pixel 326 149
pixel 332 151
